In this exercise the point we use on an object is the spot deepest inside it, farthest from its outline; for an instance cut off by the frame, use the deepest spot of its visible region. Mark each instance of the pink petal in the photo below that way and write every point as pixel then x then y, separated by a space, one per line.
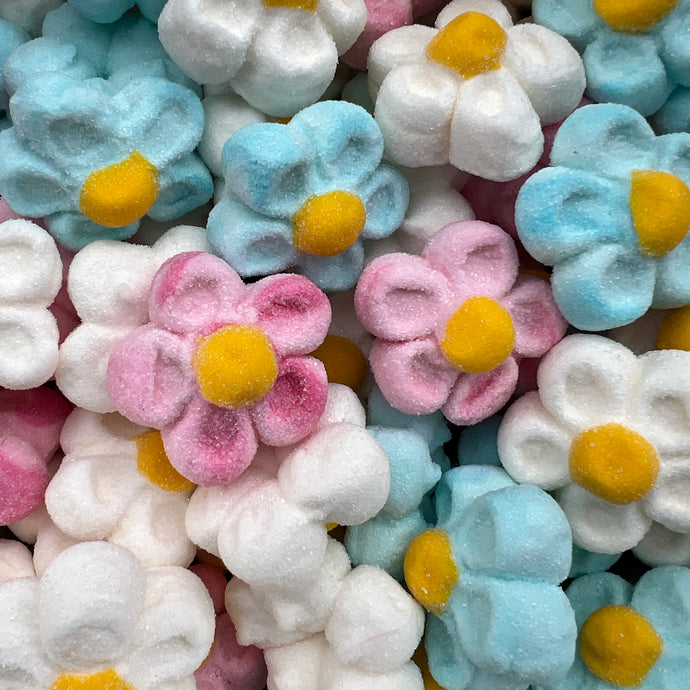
pixel 414 376
pixel 293 407
pixel 477 396
pixel 400 297
pixel 194 292
pixel 292 311
pixel 23 479
pixel 149 376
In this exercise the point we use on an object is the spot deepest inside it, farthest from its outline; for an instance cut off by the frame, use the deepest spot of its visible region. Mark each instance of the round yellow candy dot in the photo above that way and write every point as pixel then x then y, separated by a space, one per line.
pixel 105 680
pixel 430 569
pixel 121 193
pixel 614 462
pixel 660 207
pixel 235 365
pixel 619 645
pixel 328 224
pixel 479 336
pixel 632 16
pixel 153 463
pixel 473 43
pixel 308 5
pixel 343 360
pixel 674 332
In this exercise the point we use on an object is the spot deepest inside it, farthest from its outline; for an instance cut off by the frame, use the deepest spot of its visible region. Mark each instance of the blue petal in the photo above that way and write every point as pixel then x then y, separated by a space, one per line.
pixel 592 592
pixel 448 663
pixel 334 273
pixel 477 443
pixel 663 596
pixel 102 11
pixel 574 20
pixel 674 30
pixel 673 154
pixel 672 287
pixel 74 230
pixel 586 562
pixel 151 9
pixel 674 115
pixel 11 37
pixel 385 195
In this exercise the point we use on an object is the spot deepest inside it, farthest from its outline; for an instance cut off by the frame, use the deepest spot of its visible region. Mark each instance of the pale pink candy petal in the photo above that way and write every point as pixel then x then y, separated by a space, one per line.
pixel 414 377
pixel 399 297
pixel 293 407
pixel 538 323
pixel 149 376
pixel 477 396
pixel 478 258
pixel 194 292
pixel 210 445
pixel 292 311
pixel 23 479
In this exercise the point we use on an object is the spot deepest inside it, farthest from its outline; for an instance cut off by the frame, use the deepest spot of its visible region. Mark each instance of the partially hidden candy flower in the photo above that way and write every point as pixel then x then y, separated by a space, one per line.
pixel 11 36
pixel 107 11
pixel 452 325
pixel 306 194
pixel 474 91
pixel 222 365
pixel 607 430
pixel 611 215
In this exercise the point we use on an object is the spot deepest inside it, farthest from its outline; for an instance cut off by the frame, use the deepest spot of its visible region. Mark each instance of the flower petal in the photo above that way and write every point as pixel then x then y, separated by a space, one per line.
pixel 661 546
pixel 663 596
pixel 344 21
pixel 672 288
pixel 673 155
pixel 385 195
pixel 23 477
pixel 74 230
pixel 591 592
pixel 574 20
pixel 334 273
pixel 674 50
pixel 667 502
pixel 448 662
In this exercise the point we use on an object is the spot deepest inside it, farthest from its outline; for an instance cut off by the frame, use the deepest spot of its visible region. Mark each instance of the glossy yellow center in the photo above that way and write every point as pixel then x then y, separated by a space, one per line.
pixel 660 207
pixel 674 333
pixel 633 16
pixel 328 224
pixel 235 365
pixel 105 680
pixel 479 336
pixel 121 193
pixel 619 645
pixel 430 569
pixel 614 462
pixel 308 5
pixel 471 44
pixel 153 463
pixel 343 360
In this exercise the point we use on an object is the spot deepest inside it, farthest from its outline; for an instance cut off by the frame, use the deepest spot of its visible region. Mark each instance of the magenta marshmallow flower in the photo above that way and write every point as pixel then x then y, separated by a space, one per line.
pixel 452 325
pixel 222 365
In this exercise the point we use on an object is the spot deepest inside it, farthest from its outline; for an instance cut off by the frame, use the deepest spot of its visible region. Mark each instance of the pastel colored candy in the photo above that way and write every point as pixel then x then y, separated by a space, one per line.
pixel 107 11
pixel 15 560
pixel 673 115
pixel 11 36
pixel 29 14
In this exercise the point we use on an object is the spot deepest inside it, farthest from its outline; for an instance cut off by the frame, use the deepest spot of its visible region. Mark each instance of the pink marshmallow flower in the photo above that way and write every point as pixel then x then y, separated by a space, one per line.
pixel 222 365
pixel 452 325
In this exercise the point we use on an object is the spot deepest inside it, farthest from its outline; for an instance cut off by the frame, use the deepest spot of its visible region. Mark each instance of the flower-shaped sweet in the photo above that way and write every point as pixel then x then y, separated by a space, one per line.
pixel 488 574
pixel 474 91
pixel 98 619
pixel 611 216
pixel 107 11
pixel 279 55
pixel 609 431
pixel 630 636
pixel 452 325
pixel 634 53
pixel 306 194
pixel 222 365
pixel 94 157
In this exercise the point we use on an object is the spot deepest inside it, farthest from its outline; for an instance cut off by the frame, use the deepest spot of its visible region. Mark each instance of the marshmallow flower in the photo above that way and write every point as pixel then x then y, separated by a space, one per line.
pixel 222 365
pixel 452 325
pixel 279 55
pixel 611 216
pixel 474 91
pixel 306 194
pixel 611 437
pixel 98 619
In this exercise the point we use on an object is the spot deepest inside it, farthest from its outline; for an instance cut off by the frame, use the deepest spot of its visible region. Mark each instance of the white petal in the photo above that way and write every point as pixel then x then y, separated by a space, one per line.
pixel 50 543
pixel 344 20
pixel 661 546
pixel 296 666
pixel 669 501
pixel 15 561
pixel 493 8
pixel 342 405
pixel 88 433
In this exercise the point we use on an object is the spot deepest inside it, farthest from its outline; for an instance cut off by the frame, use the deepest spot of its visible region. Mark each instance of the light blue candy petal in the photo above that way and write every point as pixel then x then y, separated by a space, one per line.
pixel 671 671
pixel 477 444
pixel 253 244
pixel 11 37
pixel 674 30
pixel 673 154
pixel 591 592
pixel 606 287
pixel 586 562
pixel 672 287
pixel 663 596
pixel 674 115
pixel 102 11
pixel 386 195
pixel 152 9
pixel 578 678
pixel 448 663
pixel 334 273
pixel 74 230
pixel 575 19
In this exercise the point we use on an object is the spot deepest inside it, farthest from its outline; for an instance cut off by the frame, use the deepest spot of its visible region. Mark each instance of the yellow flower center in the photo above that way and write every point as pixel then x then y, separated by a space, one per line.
pixel 105 680
pixel 235 365
pixel 614 463
pixel 430 569
pixel 479 336
pixel 121 193
pixel 471 44
pixel 328 224
pixel 308 5
pixel 343 360
pixel 619 645
pixel 674 333
pixel 660 206
pixel 153 463
pixel 633 16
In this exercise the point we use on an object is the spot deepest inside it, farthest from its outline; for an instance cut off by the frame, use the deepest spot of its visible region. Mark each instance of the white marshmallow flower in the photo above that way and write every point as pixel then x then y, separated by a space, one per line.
pixel 474 91
pixel 608 432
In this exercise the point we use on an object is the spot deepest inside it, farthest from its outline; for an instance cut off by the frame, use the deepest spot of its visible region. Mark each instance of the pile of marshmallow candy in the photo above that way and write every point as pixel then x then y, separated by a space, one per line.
pixel 344 344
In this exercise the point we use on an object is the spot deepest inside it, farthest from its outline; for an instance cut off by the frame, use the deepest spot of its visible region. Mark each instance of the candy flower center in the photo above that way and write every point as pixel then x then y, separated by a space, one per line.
pixel 632 16
pixel 619 645
pixel 471 44
pixel 105 680
pixel 430 569
pixel 153 463
pixel 614 462
pixel 235 365
pixel 328 224
pixel 308 5
pixel 120 193
pixel 674 332
pixel 660 207
pixel 479 336
pixel 343 361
